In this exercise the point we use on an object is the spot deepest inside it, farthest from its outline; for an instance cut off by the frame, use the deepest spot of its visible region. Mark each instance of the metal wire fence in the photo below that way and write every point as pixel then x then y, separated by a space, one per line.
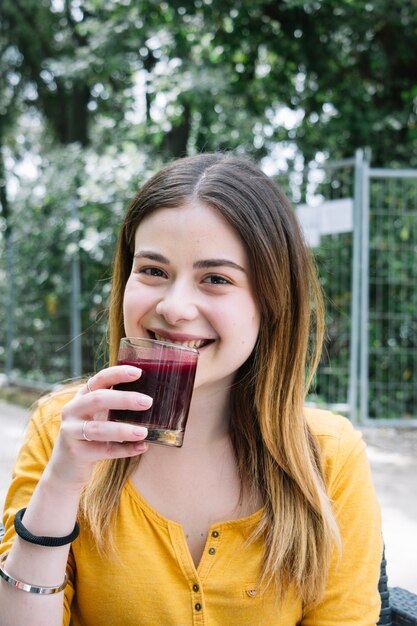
pixel 390 377
pixel 369 278
pixel 309 190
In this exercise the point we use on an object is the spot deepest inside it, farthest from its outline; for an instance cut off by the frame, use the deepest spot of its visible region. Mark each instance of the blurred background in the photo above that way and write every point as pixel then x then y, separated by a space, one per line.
pixel 95 95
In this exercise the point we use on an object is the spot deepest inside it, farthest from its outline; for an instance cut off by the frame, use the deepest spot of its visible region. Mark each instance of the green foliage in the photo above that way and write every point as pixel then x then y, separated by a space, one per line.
pixel 96 94
pixel 46 237
pixel 215 74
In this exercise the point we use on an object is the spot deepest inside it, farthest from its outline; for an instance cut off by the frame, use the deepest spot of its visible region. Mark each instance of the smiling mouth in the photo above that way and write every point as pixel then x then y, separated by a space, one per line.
pixel 197 344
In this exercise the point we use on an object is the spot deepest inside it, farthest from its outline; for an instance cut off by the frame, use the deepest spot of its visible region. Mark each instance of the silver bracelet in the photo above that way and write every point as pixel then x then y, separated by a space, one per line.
pixel 19 584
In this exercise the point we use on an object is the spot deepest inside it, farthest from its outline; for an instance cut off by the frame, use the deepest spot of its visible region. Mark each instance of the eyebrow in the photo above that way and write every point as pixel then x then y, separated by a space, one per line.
pixel 203 264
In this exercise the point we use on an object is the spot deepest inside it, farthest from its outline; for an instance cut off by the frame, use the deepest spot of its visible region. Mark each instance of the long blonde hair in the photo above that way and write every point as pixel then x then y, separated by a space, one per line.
pixel 275 450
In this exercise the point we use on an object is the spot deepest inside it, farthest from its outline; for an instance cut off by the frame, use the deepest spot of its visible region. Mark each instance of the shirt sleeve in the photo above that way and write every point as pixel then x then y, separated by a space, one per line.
pixel 352 596
pixel 32 459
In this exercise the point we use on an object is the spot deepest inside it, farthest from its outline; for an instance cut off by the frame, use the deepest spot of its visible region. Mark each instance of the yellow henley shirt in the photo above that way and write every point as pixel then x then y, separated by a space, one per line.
pixel 155 582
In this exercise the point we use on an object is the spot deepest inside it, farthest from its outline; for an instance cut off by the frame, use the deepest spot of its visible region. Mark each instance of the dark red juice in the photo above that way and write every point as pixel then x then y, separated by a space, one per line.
pixel 170 384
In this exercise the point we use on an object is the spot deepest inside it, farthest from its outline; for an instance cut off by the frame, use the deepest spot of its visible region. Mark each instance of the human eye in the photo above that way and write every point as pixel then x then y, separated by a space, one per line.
pixel 215 279
pixel 152 271
pixel 149 272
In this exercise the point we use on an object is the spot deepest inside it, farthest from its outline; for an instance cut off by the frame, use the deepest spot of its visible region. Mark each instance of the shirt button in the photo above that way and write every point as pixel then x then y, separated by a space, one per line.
pixel 196 588
pixel 215 533
pixel 212 551
pixel 197 606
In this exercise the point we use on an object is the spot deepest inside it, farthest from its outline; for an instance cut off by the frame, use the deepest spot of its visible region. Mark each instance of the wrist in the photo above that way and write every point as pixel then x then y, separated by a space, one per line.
pixel 58 485
pixel 43 540
pixel 53 507
pixel 63 473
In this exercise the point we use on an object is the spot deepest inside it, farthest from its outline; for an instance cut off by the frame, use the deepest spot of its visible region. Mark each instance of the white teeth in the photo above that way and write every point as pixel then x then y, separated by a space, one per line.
pixel 193 343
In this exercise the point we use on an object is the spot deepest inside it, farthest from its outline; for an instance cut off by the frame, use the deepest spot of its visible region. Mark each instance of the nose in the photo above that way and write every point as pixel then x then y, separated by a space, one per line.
pixel 177 305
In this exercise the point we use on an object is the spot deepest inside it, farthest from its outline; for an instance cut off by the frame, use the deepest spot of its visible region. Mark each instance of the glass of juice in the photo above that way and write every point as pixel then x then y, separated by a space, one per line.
pixel 168 373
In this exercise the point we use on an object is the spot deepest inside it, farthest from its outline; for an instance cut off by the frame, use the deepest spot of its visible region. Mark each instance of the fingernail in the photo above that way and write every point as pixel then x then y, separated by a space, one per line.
pixel 144 401
pixel 140 431
pixel 133 371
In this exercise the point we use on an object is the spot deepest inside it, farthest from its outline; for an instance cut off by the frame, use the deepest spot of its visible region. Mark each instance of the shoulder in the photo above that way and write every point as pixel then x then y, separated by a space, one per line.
pixel 45 418
pixel 52 403
pixel 324 423
pixel 36 449
pixel 338 441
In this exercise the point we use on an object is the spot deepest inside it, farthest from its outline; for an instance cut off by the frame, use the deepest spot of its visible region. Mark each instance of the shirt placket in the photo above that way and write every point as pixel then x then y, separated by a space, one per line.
pixel 196 577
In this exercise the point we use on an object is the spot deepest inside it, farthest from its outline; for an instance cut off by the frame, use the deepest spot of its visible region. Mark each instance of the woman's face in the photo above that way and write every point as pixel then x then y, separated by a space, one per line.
pixel 190 283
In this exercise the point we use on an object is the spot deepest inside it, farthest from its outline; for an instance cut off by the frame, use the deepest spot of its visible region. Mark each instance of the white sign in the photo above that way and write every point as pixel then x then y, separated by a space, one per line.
pixel 329 218
pixel 309 219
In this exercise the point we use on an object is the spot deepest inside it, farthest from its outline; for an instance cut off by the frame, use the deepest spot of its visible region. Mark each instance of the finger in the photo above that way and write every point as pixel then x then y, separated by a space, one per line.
pixel 99 402
pixel 110 376
pixel 107 432
pixel 93 451
pixel 113 450
pixel 128 441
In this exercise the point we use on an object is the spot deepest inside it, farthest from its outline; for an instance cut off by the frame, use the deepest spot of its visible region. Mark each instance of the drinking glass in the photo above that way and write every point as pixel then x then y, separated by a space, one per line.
pixel 168 373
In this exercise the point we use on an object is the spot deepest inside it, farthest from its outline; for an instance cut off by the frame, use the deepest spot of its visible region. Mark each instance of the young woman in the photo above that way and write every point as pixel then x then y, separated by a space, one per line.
pixel 267 514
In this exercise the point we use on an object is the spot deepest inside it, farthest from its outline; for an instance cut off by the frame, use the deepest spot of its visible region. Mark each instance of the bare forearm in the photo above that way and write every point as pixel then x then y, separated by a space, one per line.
pixel 51 512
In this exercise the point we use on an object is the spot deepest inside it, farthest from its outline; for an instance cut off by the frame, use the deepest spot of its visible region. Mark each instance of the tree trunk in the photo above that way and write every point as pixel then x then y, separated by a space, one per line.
pixel 9 247
pixel 67 112
pixel 176 140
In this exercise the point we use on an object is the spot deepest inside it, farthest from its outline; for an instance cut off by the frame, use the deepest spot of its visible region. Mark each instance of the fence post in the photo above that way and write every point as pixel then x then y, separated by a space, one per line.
pixel 75 323
pixel 10 271
pixel 356 278
pixel 364 297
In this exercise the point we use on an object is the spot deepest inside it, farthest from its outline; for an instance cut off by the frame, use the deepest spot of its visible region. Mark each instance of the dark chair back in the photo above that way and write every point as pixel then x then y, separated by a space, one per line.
pixel 385 617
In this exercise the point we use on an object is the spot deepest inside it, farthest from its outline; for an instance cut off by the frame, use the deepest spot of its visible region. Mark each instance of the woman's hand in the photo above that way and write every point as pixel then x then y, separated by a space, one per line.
pixel 86 436
pixel 53 506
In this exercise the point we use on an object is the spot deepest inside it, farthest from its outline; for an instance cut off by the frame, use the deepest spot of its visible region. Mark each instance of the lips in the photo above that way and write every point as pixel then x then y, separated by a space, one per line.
pixel 195 343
